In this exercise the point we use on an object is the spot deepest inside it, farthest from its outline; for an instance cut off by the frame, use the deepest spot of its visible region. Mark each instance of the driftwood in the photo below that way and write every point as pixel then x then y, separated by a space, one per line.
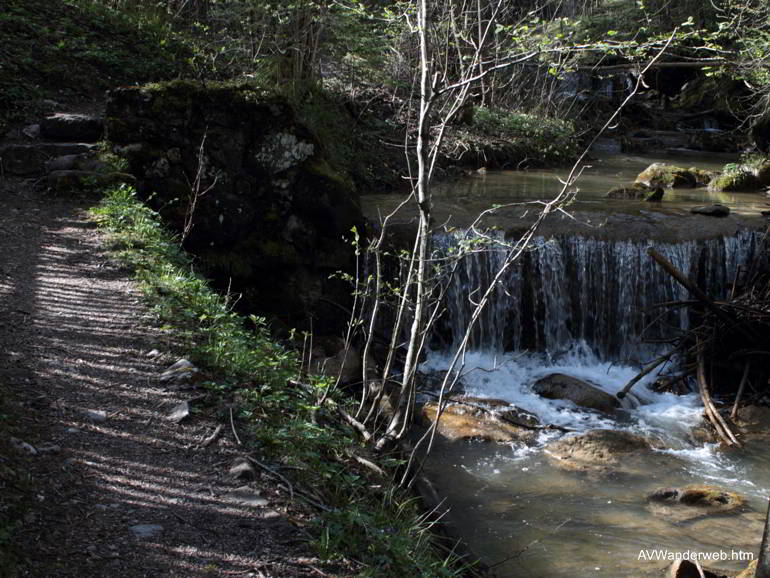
pixel 711 412
pixel 700 295
pixel 741 387
pixel 623 392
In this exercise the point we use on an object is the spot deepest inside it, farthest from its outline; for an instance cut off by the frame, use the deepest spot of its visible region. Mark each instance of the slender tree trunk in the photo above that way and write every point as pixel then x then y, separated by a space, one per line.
pixel 402 414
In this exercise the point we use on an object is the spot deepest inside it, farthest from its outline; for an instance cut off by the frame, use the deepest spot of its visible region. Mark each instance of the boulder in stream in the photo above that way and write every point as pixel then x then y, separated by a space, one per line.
pixel 561 386
pixel 738 180
pixel 482 419
pixel 663 175
pixel 601 451
pixel 711 210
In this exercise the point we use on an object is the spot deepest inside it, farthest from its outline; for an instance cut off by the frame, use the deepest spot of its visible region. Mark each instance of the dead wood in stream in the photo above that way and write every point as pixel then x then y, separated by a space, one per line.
pixel 725 347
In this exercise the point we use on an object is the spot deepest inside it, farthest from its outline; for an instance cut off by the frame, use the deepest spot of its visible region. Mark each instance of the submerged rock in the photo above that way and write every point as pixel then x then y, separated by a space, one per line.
pixel 711 210
pixel 561 386
pixel 597 450
pixel 693 501
pixel 637 191
pixel 481 419
pixel 632 191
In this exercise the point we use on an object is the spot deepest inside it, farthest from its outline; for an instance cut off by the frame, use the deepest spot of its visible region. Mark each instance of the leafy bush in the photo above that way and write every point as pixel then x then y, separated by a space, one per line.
pixel 545 139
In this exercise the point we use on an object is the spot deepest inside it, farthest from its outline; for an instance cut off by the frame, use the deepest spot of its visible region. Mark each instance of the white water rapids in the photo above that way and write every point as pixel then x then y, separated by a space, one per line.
pixel 583 307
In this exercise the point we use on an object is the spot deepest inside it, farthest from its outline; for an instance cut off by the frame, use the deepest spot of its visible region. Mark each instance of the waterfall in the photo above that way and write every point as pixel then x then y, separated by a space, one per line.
pixel 603 293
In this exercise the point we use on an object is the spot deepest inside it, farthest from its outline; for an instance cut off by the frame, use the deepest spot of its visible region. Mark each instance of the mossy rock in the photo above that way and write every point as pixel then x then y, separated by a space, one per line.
pixel 741 180
pixel 632 191
pixel 663 175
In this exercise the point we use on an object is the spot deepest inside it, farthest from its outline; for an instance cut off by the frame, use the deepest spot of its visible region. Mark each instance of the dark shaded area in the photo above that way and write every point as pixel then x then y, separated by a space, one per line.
pixel 262 206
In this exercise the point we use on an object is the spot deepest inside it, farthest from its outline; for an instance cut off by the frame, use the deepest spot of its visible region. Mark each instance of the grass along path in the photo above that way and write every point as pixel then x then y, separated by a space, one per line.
pixel 115 488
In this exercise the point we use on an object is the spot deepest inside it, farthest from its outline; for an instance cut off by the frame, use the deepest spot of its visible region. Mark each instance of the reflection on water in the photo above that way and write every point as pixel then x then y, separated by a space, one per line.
pixel 598 177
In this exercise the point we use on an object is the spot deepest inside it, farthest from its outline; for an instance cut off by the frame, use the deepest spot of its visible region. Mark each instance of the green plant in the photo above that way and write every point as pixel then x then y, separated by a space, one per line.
pixel 284 417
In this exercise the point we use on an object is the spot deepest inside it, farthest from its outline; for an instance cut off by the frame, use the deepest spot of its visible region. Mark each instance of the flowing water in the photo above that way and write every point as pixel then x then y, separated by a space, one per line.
pixel 582 305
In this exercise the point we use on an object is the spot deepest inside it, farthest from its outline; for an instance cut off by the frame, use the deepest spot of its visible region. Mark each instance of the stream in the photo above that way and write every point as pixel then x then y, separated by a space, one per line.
pixel 581 304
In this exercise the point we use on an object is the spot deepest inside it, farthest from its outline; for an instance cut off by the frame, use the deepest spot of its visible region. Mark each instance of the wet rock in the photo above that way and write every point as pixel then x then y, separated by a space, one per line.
pixel 246 496
pixel 561 386
pixel 663 175
pixel 655 196
pixel 243 470
pixel 181 372
pixel 633 191
pixel 678 504
pixel 479 419
pixel 146 530
pixel 96 415
pixel 179 412
pixel 72 127
pixel 740 180
pixel 597 450
pixel 711 210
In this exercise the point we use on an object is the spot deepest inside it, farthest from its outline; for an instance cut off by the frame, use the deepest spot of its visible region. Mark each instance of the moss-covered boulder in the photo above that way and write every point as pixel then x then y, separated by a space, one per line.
pixel 735 181
pixel 638 191
pixel 663 175
pixel 264 207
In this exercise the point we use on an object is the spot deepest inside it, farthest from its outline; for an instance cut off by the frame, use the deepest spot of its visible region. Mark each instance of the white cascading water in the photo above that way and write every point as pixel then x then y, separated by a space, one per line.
pixel 600 292
pixel 580 306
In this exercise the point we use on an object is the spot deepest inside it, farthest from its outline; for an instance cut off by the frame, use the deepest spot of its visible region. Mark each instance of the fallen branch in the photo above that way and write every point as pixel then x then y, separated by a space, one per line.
pixel 700 295
pixel 741 387
pixel 721 427
pixel 623 392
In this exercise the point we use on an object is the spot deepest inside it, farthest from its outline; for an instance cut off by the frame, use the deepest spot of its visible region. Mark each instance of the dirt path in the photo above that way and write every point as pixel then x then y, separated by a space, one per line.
pixel 115 488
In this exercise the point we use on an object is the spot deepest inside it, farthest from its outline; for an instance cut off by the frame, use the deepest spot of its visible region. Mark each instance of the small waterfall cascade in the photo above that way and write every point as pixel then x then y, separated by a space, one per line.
pixel 604 294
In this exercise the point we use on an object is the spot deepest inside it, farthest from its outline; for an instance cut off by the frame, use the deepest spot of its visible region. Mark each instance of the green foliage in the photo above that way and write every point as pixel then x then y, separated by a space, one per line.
pixel 74 48
pixel 284 418
pixel 547 140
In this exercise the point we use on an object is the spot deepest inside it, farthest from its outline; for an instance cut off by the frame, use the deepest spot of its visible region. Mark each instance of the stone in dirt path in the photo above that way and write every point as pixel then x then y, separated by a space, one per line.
pixel 117 489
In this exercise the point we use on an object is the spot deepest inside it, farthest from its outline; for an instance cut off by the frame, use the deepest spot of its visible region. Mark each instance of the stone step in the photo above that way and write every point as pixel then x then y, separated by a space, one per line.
pixel 72 127
pixel 30 159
